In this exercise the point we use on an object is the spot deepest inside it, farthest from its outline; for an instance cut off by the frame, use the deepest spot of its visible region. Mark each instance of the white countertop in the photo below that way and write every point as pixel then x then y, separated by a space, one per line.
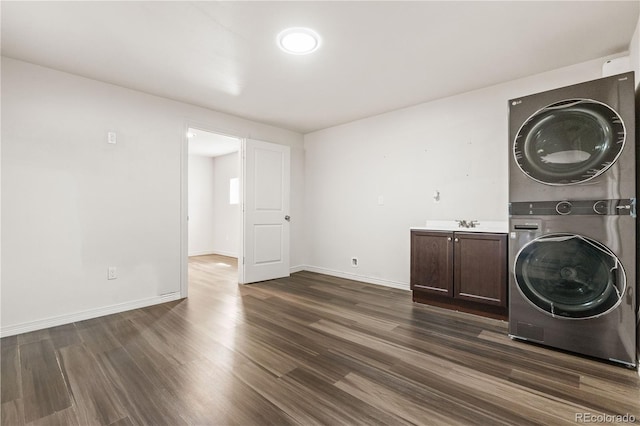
pixel 452 225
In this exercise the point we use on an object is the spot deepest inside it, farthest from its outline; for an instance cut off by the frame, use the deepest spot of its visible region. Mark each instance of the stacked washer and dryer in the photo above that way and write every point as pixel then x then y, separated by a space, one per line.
pixel 572 219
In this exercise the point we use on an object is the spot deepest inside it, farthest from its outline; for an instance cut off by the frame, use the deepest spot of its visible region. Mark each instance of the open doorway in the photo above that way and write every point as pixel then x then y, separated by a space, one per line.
pixel 213 193
pixel 262 210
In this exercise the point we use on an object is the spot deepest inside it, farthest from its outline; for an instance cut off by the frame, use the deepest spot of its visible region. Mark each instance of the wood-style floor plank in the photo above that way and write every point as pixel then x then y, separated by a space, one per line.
pixel 145 404
pixel 309 349
pixel 11 384
pixel 94 398
pixel 64 335
pixel 66 417
pixel 347 408
pixel 43 385
pixel 378 395
pixel 12 413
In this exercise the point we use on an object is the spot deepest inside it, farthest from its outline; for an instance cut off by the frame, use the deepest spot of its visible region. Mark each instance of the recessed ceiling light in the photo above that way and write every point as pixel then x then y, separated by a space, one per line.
pixel 298 41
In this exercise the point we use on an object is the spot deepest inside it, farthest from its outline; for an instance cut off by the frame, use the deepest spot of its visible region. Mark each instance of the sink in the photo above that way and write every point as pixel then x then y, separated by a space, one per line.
pixel 452 225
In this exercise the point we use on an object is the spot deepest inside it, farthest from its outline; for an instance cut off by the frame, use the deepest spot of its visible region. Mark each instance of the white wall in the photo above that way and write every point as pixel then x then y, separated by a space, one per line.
pixel 456 145
pixel 201 207
pixel 214 224
pixel 226 225
pixel 72 205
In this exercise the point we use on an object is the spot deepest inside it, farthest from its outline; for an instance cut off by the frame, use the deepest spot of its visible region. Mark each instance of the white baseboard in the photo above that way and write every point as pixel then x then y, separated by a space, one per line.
pixel 298 268
pixel 200 253
pixel 225 253
pixel 84 315
pixel 356 277
pixel 218 252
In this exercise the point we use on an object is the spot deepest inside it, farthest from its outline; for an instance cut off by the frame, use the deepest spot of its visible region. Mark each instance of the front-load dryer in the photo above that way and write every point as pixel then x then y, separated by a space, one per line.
pixel 573 276
pixel 576 142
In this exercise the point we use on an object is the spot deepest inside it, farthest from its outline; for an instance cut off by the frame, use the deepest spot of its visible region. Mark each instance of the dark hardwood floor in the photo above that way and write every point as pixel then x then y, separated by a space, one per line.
pixel 309 349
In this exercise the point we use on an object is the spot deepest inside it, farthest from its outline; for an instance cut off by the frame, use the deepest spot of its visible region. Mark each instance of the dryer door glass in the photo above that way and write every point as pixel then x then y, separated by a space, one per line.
pixel 569 142
pixel 569 276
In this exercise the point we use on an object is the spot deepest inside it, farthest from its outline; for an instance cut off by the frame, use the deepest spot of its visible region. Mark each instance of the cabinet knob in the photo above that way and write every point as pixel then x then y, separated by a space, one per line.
pixel 448 238
pixel 456 240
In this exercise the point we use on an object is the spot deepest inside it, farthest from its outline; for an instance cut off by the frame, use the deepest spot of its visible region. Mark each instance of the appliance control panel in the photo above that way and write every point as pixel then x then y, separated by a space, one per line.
pixel 622 207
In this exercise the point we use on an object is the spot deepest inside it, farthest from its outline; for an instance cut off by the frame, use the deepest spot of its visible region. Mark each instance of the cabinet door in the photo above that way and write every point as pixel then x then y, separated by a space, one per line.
pixel 432 262
pixel 481 267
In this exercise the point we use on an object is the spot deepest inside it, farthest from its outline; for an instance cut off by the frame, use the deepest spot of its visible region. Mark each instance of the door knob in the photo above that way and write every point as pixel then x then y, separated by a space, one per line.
pixel 287 218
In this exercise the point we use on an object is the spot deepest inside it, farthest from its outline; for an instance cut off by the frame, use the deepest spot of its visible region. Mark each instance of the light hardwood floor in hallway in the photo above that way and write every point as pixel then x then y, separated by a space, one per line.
pixel 305 350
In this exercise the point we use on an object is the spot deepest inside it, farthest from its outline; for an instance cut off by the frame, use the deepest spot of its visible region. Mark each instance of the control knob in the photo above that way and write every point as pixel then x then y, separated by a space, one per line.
pixel 601 207
pixel 563 207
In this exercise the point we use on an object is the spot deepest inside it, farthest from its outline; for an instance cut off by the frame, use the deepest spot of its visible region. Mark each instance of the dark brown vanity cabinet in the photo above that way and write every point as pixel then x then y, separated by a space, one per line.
pixel 460 270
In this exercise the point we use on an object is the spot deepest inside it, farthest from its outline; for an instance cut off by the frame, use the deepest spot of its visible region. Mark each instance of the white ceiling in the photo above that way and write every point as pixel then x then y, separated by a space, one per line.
pixel 375 56
pixel 209 144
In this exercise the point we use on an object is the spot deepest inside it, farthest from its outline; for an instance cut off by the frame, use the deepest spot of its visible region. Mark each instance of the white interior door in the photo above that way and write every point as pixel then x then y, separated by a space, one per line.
pixel 265 248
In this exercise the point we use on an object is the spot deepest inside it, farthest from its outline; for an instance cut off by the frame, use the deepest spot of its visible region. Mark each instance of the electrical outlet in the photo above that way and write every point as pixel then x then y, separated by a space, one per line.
pixel 112 273
pixel 354 262
pixel 112 137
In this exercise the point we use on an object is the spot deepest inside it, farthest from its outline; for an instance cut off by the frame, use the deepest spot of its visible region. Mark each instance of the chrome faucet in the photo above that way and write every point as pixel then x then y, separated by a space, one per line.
pixel 470 224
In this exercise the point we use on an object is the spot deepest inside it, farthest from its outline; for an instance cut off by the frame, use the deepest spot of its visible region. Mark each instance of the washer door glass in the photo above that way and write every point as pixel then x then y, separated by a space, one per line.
pixel 569 142
pixel 569 276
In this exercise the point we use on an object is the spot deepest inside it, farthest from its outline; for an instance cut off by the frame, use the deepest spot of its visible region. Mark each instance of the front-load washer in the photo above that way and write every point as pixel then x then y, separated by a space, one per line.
pixel 573 276
pixel 576 142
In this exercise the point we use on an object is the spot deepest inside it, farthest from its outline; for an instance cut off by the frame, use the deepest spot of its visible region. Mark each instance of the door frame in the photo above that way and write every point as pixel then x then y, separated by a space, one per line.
pixel 184 198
